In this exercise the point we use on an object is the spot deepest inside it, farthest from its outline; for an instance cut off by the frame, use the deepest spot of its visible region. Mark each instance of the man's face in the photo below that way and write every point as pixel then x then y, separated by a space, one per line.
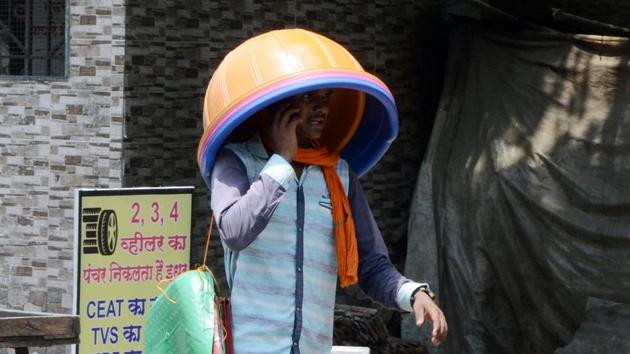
pixel 314 107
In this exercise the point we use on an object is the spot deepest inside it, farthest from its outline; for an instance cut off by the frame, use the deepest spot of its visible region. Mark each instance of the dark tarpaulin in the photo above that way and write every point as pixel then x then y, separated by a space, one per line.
pixel 521 213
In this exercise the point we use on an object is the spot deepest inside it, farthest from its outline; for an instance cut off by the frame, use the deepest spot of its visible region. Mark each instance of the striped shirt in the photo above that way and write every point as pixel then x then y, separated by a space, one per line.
pixel 280 252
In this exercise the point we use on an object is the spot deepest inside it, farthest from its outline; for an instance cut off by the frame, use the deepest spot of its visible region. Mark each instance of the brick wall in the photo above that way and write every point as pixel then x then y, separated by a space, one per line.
pixel 56 136
pixel 173 48
pixel 139 68
pixel 168 51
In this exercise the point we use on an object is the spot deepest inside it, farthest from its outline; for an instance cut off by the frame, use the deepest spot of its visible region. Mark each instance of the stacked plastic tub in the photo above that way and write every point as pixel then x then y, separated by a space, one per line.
pixel 363 120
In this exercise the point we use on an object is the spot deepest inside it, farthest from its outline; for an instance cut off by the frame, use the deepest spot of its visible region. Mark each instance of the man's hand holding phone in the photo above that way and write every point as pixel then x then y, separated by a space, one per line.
pixel 283 130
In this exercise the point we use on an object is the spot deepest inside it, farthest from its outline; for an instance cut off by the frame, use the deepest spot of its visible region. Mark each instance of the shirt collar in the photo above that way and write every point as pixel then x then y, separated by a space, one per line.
pixel 255 147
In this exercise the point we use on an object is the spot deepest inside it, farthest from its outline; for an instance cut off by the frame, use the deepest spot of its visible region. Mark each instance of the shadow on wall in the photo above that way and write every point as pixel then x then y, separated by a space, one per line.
pixel 173 46
pixel 168 64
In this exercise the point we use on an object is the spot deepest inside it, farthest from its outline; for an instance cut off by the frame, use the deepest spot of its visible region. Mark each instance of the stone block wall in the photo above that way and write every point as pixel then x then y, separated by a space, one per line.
pixel 129 114
pixel 173 46
pixel 55 136
pixel 168 50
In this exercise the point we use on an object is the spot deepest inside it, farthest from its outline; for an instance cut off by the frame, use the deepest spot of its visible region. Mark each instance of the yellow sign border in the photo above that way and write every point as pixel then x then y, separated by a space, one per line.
pixel 127 192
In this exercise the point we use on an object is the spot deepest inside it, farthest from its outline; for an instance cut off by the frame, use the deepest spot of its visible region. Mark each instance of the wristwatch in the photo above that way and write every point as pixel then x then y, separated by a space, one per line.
pixel 425 289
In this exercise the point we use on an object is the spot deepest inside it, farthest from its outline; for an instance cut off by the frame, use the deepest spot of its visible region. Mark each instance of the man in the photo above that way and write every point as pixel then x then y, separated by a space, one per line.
pixel 291 217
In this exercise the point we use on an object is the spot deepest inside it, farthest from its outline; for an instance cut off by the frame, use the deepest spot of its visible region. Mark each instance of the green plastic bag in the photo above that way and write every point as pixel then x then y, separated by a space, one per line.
pixel 182 319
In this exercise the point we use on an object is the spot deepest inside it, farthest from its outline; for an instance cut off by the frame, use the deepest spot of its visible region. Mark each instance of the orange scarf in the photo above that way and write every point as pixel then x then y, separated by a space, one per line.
pixel 343 223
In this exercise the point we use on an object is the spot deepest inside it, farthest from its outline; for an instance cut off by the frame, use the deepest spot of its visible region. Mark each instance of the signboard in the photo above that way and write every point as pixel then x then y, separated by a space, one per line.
pixel 126 242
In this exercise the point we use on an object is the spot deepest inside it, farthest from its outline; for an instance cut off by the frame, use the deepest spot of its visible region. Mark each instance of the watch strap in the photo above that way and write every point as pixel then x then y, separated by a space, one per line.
pixel 423 288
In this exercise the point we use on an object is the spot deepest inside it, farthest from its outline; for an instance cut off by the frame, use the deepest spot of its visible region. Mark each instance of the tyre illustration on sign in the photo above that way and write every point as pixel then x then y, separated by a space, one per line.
pixel 101 231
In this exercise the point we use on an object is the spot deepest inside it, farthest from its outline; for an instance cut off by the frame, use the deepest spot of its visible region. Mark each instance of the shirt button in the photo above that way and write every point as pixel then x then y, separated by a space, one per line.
pixel 299 269
pixel 295 344
pixel 298 309
pixel 300 229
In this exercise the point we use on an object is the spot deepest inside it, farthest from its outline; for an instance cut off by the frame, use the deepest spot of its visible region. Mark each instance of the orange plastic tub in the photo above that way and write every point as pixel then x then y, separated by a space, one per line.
pixel 362 122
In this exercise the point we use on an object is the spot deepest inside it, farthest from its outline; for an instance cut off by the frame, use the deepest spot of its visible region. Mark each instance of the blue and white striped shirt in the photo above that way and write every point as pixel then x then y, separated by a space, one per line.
pixel 280 251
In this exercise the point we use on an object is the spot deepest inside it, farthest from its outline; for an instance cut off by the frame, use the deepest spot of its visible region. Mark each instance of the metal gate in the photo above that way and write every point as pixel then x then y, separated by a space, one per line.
pixel 33 38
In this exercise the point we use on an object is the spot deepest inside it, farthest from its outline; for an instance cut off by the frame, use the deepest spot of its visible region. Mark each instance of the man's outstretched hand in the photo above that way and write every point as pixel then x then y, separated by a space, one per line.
pixel 424 309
